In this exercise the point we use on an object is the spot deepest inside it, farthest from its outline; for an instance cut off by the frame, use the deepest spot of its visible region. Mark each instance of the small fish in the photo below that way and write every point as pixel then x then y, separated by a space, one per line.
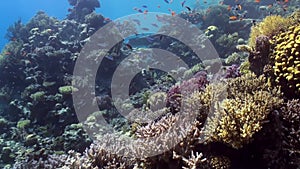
pixel 233 18
pixel 173 13
pixel 254 22
pixel 7 53
pixel 161 37
pixel 154 24
pixel 188 8
pixel 182 3
pixel 257 1
pixel 239 7
pixel 107 19
pixel 146 11
pixel 228 8
pixel 149 39
pixel 158 6
pixel 109 57
pixel 140 11
pixel 166 1
pixel 145 29
pixel 145 6
pixel 129 46
pixel 270 6
pixel 138 22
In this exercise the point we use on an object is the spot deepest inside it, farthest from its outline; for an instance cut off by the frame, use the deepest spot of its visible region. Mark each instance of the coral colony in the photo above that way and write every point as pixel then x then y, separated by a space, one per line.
pixel 257 124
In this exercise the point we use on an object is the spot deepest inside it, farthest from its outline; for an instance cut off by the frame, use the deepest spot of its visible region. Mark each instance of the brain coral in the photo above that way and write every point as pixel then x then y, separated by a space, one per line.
pixel 286 56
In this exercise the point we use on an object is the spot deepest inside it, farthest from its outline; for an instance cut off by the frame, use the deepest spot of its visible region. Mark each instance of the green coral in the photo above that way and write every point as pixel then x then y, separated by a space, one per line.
pixel 286 56
pixel 23 123
pixel 67 89
pixel 38 96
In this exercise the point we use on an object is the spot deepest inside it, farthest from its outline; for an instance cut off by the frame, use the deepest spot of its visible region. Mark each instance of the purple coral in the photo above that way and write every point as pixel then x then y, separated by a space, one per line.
pixel 233 71
pixel 197 83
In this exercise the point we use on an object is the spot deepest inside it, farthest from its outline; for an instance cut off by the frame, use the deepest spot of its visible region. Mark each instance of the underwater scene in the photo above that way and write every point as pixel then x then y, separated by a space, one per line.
pixel 158 84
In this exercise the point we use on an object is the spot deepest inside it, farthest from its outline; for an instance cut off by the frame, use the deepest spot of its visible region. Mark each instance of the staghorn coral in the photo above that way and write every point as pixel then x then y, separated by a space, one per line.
pixel 195 160
pixel 286 56
pixel 244 111
pixel 219 162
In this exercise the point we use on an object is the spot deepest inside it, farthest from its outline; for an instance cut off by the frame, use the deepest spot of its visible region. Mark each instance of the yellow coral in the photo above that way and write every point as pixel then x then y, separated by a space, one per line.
pixel 286 56
pixel 270 26
pixel 244 111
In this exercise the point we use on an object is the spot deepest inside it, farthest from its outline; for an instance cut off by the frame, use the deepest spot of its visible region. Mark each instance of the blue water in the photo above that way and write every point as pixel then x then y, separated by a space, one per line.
pixel 12 10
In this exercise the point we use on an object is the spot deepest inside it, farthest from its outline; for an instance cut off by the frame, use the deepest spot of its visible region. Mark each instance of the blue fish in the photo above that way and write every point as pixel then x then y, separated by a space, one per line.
pixel 166 1
pixel 182 3
pixel 144 6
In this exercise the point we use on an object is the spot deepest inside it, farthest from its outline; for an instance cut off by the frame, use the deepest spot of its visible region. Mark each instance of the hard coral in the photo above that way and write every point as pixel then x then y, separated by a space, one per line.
pixel 270 26
pixel 197 83
pixel 244 111
pixel 286 56
pixel 290 116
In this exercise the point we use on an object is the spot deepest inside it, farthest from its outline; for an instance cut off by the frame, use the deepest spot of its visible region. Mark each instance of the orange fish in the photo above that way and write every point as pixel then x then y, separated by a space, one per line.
pixel 257 1
pixel 228 8
pixel 286 1
pixel 239 7
pixel 233 18
pixel 270 6
pixel 173 13
pixel 208 10
pixel 7 53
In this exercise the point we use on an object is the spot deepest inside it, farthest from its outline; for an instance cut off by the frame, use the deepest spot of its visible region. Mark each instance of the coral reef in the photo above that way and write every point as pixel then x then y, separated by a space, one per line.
pixel 81 8
pixel 244 119
pixel 275 51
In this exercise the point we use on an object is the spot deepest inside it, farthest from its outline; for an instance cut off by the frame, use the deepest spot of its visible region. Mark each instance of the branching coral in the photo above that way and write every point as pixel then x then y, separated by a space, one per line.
pixel 269 27
pixel 244 111
pixel 290 116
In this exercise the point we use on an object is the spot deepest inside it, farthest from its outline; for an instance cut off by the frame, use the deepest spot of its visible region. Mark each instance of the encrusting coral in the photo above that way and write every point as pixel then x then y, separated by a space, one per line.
pixel 286 56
